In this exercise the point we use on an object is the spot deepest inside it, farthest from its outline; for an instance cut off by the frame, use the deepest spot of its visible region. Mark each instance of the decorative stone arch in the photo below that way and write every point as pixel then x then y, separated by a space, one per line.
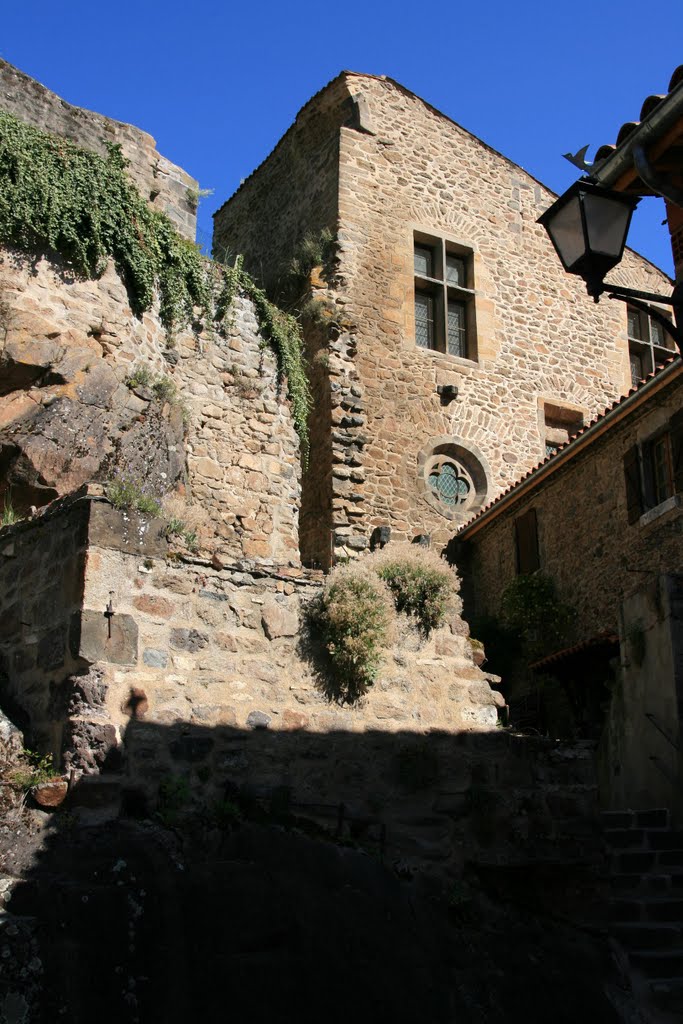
pixel 453 477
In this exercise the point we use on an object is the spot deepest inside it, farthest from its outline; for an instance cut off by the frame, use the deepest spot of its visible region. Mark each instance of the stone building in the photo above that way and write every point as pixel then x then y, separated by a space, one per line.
pixel 454 352
pixel 145 648
pixel 601 519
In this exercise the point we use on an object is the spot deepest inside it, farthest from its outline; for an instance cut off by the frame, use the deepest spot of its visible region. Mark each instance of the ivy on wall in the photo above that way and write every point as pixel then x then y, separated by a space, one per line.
pixel 56 196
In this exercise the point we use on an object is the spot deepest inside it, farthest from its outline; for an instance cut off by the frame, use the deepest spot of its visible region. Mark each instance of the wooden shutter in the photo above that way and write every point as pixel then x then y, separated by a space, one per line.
pixel 526 537
pixel 634 496
pixel 676 429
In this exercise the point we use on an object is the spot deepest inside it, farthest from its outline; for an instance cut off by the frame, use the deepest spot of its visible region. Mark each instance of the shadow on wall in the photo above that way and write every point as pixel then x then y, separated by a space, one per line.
pixel 195 888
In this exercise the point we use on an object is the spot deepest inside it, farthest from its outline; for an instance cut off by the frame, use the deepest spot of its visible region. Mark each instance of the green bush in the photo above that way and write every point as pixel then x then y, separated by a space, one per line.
pixel 422 584
pixel 531 609
pixel 56 197
pixel 354 616
pixel 33 770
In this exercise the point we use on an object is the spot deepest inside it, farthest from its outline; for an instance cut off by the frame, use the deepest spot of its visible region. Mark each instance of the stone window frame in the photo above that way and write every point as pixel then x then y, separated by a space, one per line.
pixel 442 290
pixel 558 423
pixel 473 462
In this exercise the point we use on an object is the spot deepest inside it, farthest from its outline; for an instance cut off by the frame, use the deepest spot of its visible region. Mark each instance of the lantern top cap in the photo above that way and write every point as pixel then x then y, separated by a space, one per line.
pixel 586 187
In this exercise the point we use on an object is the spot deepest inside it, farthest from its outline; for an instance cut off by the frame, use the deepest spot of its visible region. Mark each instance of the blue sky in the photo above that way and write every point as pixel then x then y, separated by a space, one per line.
pixel 218 83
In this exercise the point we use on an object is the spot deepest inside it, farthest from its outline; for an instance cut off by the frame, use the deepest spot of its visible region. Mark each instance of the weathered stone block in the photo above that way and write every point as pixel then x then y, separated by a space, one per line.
pixel 258 720
pixel 185 639
pixel 155 658
pixel 91 639
pixel 278 620
pixel 126 531
pixel 153 605
pixel 52 649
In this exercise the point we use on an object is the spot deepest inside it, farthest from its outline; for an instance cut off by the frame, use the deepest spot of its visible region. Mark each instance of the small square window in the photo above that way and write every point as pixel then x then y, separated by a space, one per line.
pixel 560 424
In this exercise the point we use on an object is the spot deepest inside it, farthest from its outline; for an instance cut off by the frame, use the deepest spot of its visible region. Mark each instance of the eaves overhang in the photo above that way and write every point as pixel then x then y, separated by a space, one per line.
pixel 618 411
pixel 658 133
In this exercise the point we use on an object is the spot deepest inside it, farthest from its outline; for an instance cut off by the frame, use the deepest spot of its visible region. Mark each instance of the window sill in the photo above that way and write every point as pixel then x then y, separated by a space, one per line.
pixel 671 509
pixel 461 360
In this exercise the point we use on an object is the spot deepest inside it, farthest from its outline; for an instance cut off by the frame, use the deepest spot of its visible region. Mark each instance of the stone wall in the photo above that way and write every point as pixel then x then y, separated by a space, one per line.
pixel 161 667
pixel 586 544
pixel 219 434
pixel 404 167
pixel 164 184
pixel 42 570
pixel 641 759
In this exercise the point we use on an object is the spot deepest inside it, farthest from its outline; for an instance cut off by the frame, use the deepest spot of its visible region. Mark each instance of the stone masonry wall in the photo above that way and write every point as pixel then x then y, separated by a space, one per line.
pixel 538 336
pixel 586 543
pixel 294 192
pixel 403 167
pixel 224 443
pixel 42 569
pixel 163 183
pixel 168 667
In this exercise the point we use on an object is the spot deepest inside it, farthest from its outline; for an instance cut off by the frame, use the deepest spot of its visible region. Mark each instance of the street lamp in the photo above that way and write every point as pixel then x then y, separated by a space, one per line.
pixel 588 226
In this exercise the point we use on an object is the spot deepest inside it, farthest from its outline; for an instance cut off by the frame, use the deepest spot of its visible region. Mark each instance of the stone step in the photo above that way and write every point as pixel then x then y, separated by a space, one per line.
pixel 659 964
pixel 655 818
pixel 668 994
pixel 633 883
pixel 626 838
pixel 633 839
pixel 96 790
pixel 652 908
pixel 665 840
pixel 643 936
pixel 647 861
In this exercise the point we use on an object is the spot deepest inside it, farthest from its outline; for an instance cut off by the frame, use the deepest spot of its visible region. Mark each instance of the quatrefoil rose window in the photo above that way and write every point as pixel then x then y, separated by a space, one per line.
pixel 450 482
pixel 453 478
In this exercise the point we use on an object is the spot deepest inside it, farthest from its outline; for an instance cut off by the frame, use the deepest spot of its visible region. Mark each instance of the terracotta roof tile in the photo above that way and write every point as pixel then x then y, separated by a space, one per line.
pixel 649 106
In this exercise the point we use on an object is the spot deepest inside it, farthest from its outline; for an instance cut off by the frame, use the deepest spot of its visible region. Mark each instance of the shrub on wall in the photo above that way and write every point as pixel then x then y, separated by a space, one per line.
pixel 354 619
pixel 531 609
pixel 421 583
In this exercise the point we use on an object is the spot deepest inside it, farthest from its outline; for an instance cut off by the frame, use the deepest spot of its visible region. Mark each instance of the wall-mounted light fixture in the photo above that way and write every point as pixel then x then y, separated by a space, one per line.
pixel 447 393
pixel 588 226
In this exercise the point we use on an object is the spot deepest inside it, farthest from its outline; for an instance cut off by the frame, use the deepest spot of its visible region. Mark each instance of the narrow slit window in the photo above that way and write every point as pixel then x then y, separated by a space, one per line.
pixel 457 329
pixel 424 320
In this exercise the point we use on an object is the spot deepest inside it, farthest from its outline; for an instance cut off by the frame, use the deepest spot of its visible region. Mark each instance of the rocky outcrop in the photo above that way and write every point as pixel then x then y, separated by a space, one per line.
pixel 67 414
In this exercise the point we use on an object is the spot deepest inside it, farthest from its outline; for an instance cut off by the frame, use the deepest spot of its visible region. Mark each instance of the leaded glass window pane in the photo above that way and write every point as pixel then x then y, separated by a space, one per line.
pixel 634 325
pixel 551 449
pixel 455 270
pixel 636 368
pixel 449 484
pixel 457 338
pixel 657 334
pixel 424 320
pixel 424 261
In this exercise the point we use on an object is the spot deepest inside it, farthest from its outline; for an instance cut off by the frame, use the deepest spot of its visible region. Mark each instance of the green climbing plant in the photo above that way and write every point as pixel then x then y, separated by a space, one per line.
pixel 57 197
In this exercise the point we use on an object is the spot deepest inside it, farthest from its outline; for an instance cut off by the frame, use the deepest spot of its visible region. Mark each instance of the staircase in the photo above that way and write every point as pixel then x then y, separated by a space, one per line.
pixel 646 905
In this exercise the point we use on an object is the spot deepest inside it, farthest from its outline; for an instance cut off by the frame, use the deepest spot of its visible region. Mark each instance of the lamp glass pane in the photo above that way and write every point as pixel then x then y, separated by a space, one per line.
pixel 607 223
pixel 566 230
